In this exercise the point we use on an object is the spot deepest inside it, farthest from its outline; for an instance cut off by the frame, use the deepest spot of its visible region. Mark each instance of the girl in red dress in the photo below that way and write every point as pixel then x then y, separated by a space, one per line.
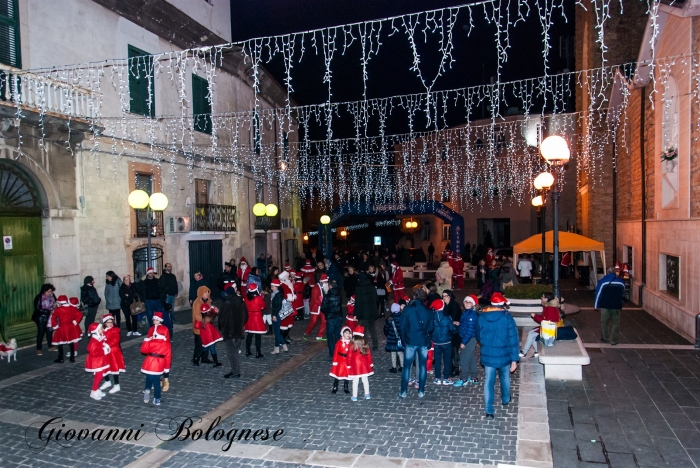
pixel 65 322
pixel 97 360
pixel 350 319
pixel 156 347
pixel 360 364
pixel 339 368
pixel 208 332
pixel 116 358
pixel 255 326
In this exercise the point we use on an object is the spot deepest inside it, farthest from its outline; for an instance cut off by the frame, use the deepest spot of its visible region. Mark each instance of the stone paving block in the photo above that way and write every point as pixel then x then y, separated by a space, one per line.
pixel 591 451
pixel 688 438
pixel 615 442
pixel 340 460
pixel 680 422
pixel 586 432
pixel 621 460
pixel 560 421
pixel 288 455
pixel 531 450
pixel 532 415
pixel 565 457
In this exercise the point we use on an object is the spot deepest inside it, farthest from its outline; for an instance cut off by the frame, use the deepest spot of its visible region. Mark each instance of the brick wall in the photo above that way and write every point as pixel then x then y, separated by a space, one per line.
pixel 695 134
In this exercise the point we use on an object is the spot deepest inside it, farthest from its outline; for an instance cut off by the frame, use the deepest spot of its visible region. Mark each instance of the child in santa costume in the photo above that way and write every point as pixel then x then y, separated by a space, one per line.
pixel 339 368
pixel 156 348
pixel 243 271
pixel 208 332
pixel 254 326
pixel 299 296
pixel 360 364
pixel 165 382
pixel 350 320
pixel 65 322
pixel 287 290
pixel 397 281
pixel 317 292
pixel 458 277
pixel 97 360
pixel 116 358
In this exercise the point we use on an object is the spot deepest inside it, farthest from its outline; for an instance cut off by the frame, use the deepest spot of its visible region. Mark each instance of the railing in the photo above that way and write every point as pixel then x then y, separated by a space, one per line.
pixel 214 218
pixel 158 230
pixel 275 223
pixel 42 93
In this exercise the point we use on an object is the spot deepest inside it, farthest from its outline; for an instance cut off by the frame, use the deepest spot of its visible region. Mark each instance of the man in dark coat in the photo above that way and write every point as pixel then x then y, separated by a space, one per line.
pixel 416 328
pixel 232 318
pixel 90 299
pixel 150 290
pixel 197 281
pixel 609 293
pixel 332 309
pixel 350 283
pixel 226 276
pixel 168 285
pixel 366 306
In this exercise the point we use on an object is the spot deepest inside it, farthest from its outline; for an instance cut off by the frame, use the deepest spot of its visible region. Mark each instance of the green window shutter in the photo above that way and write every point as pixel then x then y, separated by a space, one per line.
pixel 201 107
pixel 10 52
pixel 140 64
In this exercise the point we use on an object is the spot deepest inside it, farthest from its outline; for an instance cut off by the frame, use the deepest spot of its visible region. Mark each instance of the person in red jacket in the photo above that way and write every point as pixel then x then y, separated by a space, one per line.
pixel 298 296
pixel 208 332
pixel 360 364
pixel 287 286
pixel 97 360
pixel 458 277
pixel 254 326
pixel 116 358
pixel 397 281
pixel 309 272
pixel 550 312
pixel 350 320
pixel 65 322
pixel 339 368
pixel 243 271
pixel 317 292
pixel 156 348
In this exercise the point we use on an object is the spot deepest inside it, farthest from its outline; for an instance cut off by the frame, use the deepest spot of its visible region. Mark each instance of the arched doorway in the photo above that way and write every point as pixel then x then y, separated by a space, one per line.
pixel 22 254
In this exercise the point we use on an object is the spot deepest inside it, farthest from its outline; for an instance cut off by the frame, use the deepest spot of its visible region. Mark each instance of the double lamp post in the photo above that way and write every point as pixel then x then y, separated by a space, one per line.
pixel 140 200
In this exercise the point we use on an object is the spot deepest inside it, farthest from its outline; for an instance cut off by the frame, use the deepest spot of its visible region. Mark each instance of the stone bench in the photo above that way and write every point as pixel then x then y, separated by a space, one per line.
pixel 521 309
pixel 470 273
pixel 564 360
pixel 422 271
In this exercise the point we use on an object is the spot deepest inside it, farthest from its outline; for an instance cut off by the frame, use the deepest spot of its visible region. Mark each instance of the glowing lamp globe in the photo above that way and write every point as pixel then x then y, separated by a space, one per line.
pixel 259 209
pixel 555 150
pixel 271 210
pixel 325 219
pixel 414 224
pixel 543 181
pixel 159 202
pixel 537 201
pixel 343 233
pixel 138 199
pixel 408 225
pixel 306 237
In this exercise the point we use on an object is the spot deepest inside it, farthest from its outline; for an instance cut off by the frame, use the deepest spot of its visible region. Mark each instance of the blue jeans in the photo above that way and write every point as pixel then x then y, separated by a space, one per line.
pixel 409 354
pixel 333 333
pixel 153 381
pixel 490 382
pixel 443 352
pixel 152 305
pixel 279 339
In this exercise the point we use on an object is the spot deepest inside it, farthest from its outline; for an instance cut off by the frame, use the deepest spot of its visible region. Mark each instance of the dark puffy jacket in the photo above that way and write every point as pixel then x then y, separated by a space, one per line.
pixel 365 298
pixel 443 328
pixel 392 339
pixel 467 325
pixel 88 294
pixel 232 317
pixel 194 285
pixel 168 284
pixel 126 295
pixel 498 335
pixel 350 284
pixel 227 276
pixel 275 303
pixel 609 292
pixel 150 289
pixel 417 324
pixel 331 307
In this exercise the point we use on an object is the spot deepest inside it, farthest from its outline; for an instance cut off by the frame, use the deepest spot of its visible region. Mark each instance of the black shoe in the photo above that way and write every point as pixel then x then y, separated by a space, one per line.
pixel 248 353
pixel 206 360
pixel 613 344
pixel 603 340
pixel 489 416
pixel 335 389
pixel 393 370
pixel 58 361
pixel 346 387
pixel 195 361
pixel 259 355
pixel 216 362
pixel 399 368
pixel 505 404
pixel 71 359
pixel 231 374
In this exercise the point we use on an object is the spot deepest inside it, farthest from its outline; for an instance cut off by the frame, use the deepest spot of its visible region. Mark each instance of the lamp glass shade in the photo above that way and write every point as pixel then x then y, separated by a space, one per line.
pixel 325 219
pixel 537 201
pixel 271 210
pixel 544 181
pixel 138 199
pixel 414 224
pixel 343 233
pixel 408 225
pixel 259 209
pixel 306 237
pixel 555 150
pixel 159 202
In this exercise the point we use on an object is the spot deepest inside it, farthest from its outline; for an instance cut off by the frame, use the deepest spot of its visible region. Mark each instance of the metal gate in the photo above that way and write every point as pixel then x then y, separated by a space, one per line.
pixel 206 258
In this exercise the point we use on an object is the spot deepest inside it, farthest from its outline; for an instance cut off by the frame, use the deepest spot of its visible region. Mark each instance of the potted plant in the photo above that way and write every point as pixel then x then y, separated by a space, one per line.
pixel 668 157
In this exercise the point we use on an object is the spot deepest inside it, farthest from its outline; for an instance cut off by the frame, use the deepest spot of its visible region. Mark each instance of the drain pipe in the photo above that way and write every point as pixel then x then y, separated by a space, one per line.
pixel 644 195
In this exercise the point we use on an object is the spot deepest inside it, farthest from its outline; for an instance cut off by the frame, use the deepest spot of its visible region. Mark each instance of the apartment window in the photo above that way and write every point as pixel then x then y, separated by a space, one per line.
pixel 10 53
pixel 201 106
pixel 445 232
pixel 144 182
pixel 141 85
pixel 669 275
pixel 201 194
pixel 426 230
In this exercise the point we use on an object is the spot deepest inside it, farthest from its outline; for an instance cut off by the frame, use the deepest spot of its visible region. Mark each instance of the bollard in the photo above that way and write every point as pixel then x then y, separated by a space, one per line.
pixel 697 331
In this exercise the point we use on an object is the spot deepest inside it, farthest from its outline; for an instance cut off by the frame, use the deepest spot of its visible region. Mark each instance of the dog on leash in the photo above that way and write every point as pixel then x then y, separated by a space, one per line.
pixel 9 350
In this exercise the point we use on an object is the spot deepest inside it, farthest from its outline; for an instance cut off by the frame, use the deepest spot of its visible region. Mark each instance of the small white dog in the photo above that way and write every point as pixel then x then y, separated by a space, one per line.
pixel 9 350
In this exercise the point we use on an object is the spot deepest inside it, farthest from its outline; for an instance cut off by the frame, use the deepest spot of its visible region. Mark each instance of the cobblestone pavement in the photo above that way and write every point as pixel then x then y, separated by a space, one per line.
pixel 184 460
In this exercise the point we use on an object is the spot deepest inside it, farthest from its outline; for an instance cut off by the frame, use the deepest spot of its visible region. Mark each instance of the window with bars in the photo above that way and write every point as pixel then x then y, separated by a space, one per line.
pixel 141 85
pixel 445 232
pixel 201 106
pixel 10 53
pixel 201 187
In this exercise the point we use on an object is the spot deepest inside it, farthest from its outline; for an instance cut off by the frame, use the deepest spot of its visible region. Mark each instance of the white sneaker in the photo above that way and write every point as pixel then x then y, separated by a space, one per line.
pixel 95 395
pixel 128 333
pixel 115 389
pixel 68 354
pixel 521 354
pixel 75 354
pixel 102 394
pixel 146 396
pixel 276 350
pixel 285 348
pixel 136 334
pixel 105 385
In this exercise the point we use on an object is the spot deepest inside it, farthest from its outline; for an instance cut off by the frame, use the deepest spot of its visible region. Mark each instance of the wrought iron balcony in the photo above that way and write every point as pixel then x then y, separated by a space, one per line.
pixel 275 223
pixel 142 229
pixel 221 218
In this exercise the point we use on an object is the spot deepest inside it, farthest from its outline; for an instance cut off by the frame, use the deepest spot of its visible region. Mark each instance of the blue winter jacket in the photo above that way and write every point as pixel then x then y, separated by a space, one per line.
pixel 392 339
pixel 443 328
pixel 609 292
pixel 417 325
pixel 498 335
pixel 467 325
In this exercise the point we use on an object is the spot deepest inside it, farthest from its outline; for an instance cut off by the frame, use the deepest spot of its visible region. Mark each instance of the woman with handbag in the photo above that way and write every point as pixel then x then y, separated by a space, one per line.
pixel 128 297
pixel 276 300
pixel 44 304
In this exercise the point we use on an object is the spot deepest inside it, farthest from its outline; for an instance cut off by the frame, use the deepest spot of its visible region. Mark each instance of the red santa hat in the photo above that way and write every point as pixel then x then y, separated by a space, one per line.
pixel 472 298
pixel 292 272
pixel 243 260
pixel 106 317
pixel 617 265
pixel 308 261
pixel 437 305
pixel 459 257
pixel 352 299
pixel 229 284
pixel 395 264
pixel 94 328
pixel 359 331
pixel 298 274
pixel 252 287
pixel 150 270
pixel 286 266
pixel 276 282
pixel 62 300
pixel 74 301
pixel 342 330
pixel 158 316
pixel 324 278
pixel 498 299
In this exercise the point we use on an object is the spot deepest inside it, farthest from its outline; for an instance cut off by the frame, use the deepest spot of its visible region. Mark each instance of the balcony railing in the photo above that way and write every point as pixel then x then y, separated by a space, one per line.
pixel 220 218
pixel 38 92
pixel 142 231
pixel 275 223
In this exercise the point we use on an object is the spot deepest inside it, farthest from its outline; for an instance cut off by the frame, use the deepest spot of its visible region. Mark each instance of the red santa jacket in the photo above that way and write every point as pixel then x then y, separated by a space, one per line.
pixel 243 272
pixel 458 267
pixel 309 271
pixel 298 291
pixel 116 358
pixel 359 365
pixel 208 332
pixel 397 279
pixel 548 313
pixel 339 368
pixel 316 299
pixel 98 350
pixel 65 322
pixel 156 348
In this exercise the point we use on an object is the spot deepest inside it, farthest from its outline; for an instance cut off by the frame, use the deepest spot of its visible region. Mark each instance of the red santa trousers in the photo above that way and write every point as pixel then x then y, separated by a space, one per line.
pixel 312 324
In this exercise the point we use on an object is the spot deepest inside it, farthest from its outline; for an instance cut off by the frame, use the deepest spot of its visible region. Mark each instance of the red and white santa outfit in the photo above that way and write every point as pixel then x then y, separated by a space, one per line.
pixel 287 267
pixel 255 306
pixel 360 366
pixel 339 368
pixel 65 322
pixel 156 347
pixel 397 281
pixel 287 290
pixel 489 257
pixel 243 271
pixel 97 360
pixel 317 294
pixel 207 330
pixel 458 277
pixel 116 358
pixel 309 272
pixel 350 320
pixel 299 295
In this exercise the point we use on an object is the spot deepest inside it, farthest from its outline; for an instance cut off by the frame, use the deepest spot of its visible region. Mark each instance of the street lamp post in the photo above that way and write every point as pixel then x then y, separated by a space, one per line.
pixel 538 202
pixel 138 200
pixel 555 151
pixel 543 182
pixel 325 220
pixel 344 235
pixel 264 213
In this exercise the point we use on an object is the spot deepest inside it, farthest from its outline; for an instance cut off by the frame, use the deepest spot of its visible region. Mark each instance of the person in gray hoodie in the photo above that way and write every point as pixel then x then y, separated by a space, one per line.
pixel 112 299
